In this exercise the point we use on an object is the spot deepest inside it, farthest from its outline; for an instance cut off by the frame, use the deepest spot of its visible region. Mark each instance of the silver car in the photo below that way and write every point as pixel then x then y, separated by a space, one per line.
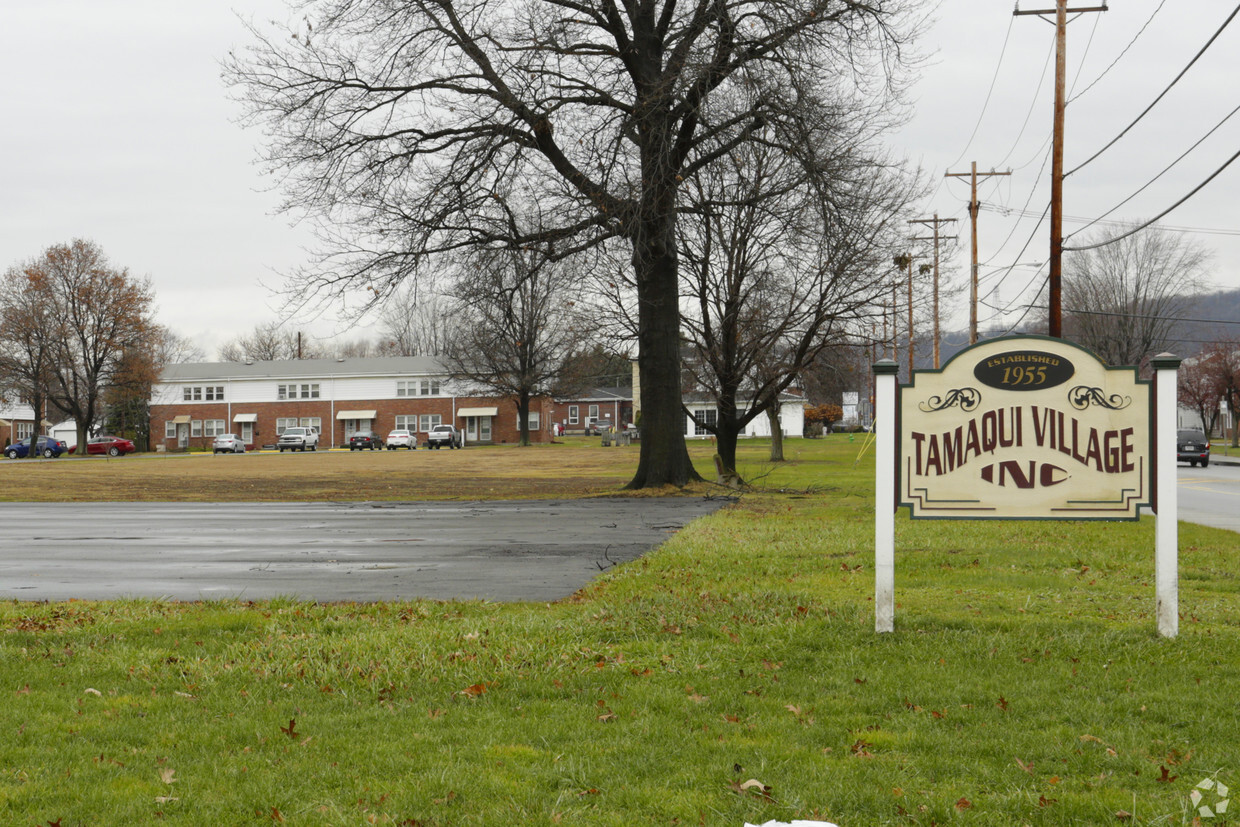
pixel 228 444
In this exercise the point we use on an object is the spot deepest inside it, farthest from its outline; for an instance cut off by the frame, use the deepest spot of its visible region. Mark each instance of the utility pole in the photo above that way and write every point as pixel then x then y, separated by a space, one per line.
pixel 973 207
pixel 936 221
pixel 1061 11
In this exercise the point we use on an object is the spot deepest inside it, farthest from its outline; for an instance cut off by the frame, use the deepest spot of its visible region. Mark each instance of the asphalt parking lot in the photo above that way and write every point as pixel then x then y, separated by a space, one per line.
pixel 536 550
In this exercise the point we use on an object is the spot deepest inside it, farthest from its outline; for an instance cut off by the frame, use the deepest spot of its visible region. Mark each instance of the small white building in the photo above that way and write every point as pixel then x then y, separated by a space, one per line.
pixel 791 417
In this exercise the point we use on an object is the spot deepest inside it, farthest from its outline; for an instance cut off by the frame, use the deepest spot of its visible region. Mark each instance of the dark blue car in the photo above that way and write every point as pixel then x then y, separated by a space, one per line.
pixel 48 447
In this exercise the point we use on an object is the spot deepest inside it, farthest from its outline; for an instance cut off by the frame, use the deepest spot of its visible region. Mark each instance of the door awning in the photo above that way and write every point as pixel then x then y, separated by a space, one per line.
pixel 477 412
pixel 246 418
pixel 181 420
pixel 355 414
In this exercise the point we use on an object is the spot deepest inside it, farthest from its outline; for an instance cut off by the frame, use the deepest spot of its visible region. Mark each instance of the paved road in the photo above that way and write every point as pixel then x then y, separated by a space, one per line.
pixel 502 551
pixel 1211 496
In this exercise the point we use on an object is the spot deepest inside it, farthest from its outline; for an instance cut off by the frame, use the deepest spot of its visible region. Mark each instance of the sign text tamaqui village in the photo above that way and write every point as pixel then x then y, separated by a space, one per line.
pixel 1025 429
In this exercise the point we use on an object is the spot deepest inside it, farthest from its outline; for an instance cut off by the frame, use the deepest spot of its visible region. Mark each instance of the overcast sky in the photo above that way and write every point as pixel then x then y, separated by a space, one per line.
pixel 118 129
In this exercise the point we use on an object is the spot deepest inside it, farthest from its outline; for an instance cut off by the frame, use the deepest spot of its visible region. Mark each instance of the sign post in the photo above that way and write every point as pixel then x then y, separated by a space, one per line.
pixel 885 495
pixel 1027 428
pixel 1166 506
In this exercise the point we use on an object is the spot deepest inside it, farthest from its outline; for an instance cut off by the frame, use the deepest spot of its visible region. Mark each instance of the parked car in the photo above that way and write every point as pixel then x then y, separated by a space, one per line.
pixel 46 446
pixel 441 435
pixel 401 439
pixel 362 440
pixel 113 446
pixel 1192 446
pixel 228 444
pixel 298 438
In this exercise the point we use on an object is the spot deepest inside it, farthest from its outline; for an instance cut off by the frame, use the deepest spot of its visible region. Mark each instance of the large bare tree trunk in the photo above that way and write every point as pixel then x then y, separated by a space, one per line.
pixel 664 458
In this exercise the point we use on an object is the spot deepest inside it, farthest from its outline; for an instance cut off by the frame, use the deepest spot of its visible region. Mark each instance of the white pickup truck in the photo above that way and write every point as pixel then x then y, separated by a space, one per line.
pixel 441 435
pixel 298 439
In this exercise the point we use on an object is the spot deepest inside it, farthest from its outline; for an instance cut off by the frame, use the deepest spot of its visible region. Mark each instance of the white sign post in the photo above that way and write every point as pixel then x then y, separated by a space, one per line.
pixel 1021 428
pixel 885 495
pixel 1166 504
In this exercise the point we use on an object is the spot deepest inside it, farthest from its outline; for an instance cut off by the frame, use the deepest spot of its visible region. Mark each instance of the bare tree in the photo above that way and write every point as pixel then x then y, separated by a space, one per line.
pixel 414 322
pixel 269 342
pixel 1124 301
pixel 398 122
pixel 514 327
pixel 782 259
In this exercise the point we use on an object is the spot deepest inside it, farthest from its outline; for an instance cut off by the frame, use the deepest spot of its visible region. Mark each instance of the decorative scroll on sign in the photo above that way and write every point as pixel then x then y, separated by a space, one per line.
pixel 1025 428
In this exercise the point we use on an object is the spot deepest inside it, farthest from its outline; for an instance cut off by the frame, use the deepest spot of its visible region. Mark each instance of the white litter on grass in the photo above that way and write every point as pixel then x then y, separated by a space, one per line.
pixel 797 823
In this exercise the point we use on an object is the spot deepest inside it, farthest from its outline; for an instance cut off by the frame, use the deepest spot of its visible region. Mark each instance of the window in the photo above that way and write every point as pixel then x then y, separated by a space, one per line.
pixel 709 417
pixel 213 427
pixel 593 412
pixel 197 393
pixel 309 390
pixel 285 422
pixel 429 421
pixel 195 427
pixel 24 429
pixel 430 387
pixel 170 430
pixel 406 422
pixel 535 420
pixel 572 415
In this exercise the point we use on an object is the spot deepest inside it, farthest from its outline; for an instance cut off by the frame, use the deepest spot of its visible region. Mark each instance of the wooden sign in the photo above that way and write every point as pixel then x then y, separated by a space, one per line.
pixel 1025 428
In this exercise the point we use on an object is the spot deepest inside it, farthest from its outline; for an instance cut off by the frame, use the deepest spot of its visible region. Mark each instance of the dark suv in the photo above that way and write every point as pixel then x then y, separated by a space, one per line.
pixel 362 440
pixel 1192 447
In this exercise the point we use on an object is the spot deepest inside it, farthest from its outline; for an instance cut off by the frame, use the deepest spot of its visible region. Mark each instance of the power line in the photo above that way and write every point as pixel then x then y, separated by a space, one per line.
pixel 1119 223
pixel 1176 80
pixel 1147 316
pixel 1120 57
pixel 1138 229
pixel 1156 177
pixel 994 78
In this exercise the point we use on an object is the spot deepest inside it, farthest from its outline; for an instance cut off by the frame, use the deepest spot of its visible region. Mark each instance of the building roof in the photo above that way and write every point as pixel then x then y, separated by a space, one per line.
pixel 623 393
pixel 305 368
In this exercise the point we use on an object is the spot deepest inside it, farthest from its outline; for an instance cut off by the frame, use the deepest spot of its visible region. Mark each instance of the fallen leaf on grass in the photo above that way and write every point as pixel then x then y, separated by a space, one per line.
pixel 168 775
pixel 963 803
pixel 1026 767
pixel 1165 777
pixel 1123 815
pixel 474 691
pixel 1043 801
pixel 752 785
pixel 164 799
pixel 291 730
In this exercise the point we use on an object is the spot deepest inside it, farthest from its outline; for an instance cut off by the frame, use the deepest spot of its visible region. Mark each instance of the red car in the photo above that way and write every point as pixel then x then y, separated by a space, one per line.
pixel 113 446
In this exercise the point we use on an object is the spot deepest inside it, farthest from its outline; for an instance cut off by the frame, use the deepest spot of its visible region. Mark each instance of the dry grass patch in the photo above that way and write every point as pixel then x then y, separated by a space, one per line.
pixel 576 469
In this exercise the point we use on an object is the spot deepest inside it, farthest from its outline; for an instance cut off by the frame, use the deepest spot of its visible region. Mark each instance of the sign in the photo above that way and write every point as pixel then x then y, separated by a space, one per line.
pixel 1025 428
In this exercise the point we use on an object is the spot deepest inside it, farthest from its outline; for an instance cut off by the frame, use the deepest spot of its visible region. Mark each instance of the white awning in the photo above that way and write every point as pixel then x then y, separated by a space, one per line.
pixel 245 418
pixel 181 420
pixel 477 412
pixel 355 414
pixel 4 423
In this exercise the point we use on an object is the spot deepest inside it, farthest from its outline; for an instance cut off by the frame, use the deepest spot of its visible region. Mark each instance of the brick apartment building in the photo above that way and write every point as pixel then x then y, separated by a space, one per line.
pixel 195 402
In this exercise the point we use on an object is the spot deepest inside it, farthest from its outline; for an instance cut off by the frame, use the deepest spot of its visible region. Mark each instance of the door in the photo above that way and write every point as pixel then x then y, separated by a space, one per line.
pixel 247 432
pixel 477 429
pixel 182 435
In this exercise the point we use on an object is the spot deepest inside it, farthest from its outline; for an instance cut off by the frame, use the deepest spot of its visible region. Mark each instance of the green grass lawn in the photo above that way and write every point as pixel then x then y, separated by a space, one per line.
pixel 732 675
